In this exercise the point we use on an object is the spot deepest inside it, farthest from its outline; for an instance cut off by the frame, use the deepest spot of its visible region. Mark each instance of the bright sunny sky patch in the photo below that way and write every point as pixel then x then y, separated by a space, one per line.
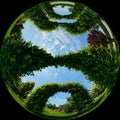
pixel 55 42
pixel 60 75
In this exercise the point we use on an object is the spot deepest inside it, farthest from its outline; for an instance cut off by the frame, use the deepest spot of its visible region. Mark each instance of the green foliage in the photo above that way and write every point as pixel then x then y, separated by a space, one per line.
pixel 72 103
pixel 66 108
pixel 41 14
pixel 24 89
pixel 74 9
pixel 38 98
pixel 51 106
pixel 16 30
pixel 86 21
pixel 96 90
pixel 19 58
pixel 39 18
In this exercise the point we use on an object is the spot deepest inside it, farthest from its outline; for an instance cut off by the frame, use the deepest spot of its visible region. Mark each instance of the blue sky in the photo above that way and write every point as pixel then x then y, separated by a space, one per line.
pixel 59 98
pixel 56 42
pixel 60 75
pixel 62 10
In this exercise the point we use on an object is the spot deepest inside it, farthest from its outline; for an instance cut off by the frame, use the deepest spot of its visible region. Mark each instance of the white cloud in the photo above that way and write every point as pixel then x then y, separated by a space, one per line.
pixel 56 42
pixel 56 74
pixel 62 47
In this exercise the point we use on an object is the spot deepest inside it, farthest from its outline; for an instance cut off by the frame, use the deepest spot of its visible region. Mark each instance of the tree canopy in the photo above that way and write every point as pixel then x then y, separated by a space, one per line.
pixel 97 38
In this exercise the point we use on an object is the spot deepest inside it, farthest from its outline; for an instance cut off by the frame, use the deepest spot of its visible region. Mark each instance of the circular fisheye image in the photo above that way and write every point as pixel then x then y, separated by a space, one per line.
pixel 59 60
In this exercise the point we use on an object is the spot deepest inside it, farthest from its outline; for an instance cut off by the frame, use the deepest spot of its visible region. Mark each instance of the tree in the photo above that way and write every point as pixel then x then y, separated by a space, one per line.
pixel 96 90
pixel 66 108
pixel 24 89
pixel 97 38
pixel 72 103
pixel 51 106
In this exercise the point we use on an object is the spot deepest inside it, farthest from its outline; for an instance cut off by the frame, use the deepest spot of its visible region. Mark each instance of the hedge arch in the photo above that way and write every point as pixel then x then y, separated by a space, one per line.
pixel 38 98
pixel 37 15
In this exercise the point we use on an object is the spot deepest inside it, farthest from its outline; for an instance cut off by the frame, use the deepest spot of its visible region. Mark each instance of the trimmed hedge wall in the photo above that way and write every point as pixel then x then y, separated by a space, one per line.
pixel 38 98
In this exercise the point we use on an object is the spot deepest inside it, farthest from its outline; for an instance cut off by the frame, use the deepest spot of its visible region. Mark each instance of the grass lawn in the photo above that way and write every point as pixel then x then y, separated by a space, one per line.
pixel 56 113
pixel 52 114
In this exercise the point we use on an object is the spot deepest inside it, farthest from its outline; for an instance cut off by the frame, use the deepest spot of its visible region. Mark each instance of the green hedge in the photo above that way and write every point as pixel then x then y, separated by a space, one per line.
pixel 100 65
pixel 38 98
pixel 86 18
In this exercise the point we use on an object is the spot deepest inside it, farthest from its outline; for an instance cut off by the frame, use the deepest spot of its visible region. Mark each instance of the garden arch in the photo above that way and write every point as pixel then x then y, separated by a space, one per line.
pixel 38 98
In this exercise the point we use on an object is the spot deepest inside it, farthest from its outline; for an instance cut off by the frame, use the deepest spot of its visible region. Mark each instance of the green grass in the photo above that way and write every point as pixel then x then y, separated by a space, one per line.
pixel 52 114
pixel 56 113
